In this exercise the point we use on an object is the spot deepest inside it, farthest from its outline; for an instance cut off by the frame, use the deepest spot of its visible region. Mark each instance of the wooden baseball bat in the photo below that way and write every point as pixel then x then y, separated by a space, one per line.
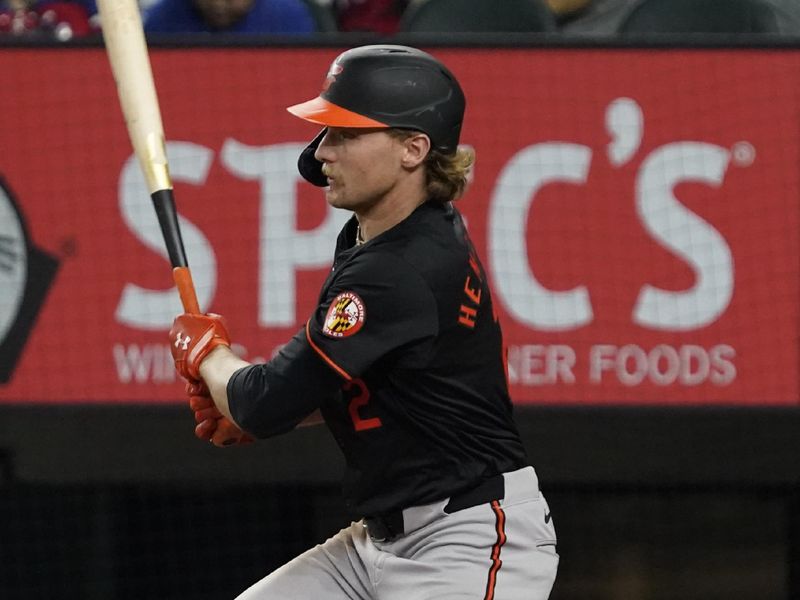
pixel 126 46
pixel 127 52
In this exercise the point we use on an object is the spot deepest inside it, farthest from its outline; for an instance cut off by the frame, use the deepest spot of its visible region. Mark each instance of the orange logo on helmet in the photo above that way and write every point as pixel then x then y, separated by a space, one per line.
pixel 345 316
pixel 335 69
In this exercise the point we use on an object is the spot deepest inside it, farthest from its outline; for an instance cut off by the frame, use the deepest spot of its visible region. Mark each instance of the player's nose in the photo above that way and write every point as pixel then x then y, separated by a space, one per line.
pixel 324 152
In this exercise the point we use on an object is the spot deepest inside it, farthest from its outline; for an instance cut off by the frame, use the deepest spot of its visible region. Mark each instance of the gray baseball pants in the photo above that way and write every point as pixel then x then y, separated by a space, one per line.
pixel 503 550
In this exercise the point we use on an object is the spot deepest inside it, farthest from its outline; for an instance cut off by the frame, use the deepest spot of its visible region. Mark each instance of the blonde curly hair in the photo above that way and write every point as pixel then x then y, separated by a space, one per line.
pixel 445 174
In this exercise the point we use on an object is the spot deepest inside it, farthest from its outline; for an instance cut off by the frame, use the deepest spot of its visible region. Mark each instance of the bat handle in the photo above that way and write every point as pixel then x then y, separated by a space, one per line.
pixel 167 213
pixel 183 280
pixel 227 432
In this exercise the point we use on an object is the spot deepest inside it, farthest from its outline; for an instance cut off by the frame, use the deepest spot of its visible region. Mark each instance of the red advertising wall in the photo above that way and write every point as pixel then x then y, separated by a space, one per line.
pixel 637 212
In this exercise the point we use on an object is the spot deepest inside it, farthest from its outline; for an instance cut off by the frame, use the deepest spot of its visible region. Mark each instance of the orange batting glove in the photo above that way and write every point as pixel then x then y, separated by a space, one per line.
pixel 212 425
pixel 192 337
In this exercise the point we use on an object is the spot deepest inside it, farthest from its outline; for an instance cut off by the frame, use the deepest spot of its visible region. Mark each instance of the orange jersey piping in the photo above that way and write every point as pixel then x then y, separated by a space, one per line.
pixel 324 356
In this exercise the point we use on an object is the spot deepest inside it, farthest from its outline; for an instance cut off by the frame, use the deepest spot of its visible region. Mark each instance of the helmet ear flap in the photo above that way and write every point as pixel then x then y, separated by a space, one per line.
pixel 310 168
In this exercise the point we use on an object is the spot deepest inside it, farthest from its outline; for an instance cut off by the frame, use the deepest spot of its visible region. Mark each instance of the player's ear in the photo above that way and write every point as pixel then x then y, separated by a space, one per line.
pixel 416 148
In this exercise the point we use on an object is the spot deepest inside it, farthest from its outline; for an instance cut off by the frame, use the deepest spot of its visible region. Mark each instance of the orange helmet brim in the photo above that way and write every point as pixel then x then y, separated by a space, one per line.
pixel 326 113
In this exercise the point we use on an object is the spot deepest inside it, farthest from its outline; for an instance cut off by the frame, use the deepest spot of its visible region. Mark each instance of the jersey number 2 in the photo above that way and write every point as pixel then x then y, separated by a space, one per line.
pixel 359 399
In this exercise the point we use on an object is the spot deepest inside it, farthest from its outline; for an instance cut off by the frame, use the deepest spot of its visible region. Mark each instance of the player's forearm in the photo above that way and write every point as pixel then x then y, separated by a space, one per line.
pixel 275 397
pixel 216 370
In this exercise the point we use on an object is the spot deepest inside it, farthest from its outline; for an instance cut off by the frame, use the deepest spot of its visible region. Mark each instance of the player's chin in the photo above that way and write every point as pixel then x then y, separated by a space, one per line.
pixel 334 198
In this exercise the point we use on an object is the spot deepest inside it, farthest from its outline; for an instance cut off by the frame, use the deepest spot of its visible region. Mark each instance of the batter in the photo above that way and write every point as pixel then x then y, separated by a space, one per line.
pixel 402 359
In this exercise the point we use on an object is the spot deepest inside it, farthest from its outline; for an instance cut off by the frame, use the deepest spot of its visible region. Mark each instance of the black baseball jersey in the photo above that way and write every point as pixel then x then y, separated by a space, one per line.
pixel 404 356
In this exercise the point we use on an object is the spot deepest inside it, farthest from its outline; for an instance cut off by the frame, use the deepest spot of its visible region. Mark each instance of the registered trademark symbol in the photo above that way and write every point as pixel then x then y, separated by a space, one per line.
pixel 743 154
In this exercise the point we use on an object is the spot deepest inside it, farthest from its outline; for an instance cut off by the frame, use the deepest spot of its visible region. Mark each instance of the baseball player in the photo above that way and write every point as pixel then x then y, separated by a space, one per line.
pixel 402 357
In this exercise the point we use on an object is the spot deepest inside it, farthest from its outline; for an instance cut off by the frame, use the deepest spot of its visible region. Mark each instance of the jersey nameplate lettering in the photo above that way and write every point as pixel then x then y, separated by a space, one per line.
pixel 345 315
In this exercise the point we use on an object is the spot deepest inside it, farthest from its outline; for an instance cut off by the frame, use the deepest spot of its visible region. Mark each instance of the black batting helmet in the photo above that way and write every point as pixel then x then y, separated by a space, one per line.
pixel 384 86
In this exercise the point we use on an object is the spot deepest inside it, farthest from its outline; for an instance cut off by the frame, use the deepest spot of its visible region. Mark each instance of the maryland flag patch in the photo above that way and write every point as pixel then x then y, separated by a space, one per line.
pixel 345 316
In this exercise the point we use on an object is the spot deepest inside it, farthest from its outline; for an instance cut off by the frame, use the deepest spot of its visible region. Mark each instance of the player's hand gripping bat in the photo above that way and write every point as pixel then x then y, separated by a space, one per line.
pixel 127 52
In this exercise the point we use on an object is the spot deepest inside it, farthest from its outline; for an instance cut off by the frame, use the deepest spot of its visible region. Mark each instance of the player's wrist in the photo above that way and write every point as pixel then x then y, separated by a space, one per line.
pixel 219 364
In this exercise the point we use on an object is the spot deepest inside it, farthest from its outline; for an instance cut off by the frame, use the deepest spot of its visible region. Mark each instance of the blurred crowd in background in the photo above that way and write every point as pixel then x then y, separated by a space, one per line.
pixel 64 20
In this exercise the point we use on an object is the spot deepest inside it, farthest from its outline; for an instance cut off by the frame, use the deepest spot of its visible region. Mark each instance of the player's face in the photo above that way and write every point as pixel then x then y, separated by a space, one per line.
pixel 363 166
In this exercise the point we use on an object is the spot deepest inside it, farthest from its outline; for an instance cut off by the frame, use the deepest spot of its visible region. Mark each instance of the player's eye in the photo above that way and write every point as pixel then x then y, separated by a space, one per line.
pixel 337 136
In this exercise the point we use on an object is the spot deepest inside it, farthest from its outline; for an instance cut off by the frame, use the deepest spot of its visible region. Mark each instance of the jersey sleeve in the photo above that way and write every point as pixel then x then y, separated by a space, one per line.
pixel 272 398
pixel 376 305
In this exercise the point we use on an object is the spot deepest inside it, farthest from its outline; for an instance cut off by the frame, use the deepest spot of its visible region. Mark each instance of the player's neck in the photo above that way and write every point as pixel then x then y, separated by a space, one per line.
pixel 389 211
pixel 372 225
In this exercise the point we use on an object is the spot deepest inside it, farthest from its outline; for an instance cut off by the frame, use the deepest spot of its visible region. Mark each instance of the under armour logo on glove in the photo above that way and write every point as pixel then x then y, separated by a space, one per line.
pixel 193 337
pixel 182 342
